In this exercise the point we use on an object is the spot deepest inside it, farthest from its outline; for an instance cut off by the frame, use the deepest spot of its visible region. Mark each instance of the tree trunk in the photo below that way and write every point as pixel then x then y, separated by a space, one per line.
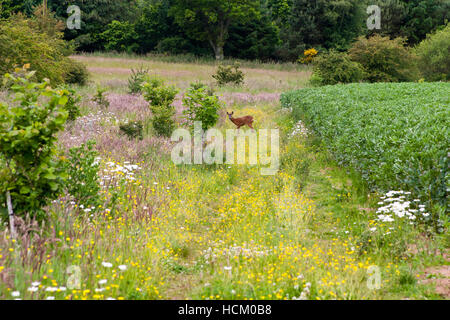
pixel 218 50
pixel 11 214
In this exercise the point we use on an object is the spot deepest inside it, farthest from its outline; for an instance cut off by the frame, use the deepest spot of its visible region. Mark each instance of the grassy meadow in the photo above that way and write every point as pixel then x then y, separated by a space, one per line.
pixel 219 231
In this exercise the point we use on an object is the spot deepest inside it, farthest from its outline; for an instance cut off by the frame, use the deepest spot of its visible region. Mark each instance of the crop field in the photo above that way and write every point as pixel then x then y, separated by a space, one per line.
pixel 396 135
pixel 345 216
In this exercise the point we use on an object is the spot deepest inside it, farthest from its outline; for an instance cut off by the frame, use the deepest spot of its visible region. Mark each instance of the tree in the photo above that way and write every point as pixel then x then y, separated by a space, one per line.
pixel 10 7
pixel 412 19
pixel 120 36
pixel 96 15
pixel 434 57
pixel 321 24
pixel 393 16
pixel 31 173
pixel 210 19
pixel 257 38
pixel 22 42
pixel 424 16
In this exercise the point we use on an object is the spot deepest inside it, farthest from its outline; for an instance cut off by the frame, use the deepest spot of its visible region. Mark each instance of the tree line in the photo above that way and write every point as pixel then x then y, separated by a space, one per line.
pixel 246 29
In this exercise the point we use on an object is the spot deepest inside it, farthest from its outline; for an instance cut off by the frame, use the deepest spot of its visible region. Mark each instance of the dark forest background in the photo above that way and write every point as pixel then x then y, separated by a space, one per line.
pixel 245 29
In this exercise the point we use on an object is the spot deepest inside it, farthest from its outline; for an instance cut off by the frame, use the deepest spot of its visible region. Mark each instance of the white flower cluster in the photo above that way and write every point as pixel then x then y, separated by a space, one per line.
pixel 114 169
pixel 299 129
pixel 305 293
pixel 35 287
pixel 395 204
pixel 235 251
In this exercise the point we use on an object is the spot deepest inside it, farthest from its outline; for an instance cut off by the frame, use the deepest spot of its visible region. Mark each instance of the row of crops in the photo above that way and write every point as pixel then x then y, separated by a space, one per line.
pixel 395 134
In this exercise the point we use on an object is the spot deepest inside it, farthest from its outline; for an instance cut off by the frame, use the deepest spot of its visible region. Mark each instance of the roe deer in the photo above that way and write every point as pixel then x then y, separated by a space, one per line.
pixel 239 122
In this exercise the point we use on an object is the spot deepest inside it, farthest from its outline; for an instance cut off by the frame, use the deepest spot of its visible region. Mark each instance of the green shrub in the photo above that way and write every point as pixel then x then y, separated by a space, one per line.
pixel 100 99
pixel 198 84
pixel 22 43
pixel 72 104
pixel 132 130
pixel 157 94
pixel 335 67
pixel 385 60
pixel 136 79
pixel 32 172
pixel 160 98
pixel 395 135
pixel 201 106
pixel 162 119
pixel 76 73
pixel 83 184
pixel 434 55
pixel 229 74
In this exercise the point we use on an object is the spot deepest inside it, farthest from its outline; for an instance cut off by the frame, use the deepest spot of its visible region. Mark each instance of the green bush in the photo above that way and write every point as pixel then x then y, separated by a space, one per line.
pixel 335 67
pixel 22 43
pixel 76 73
pixel 160 98
pixel 395 135
pixel 157 94
pixel 136 79
pixel 201 106
pixel 229 74
pixel 100 99
pixel 83 184
pixel 385 60
pixel 162 119
pixel 72 104
pixel 31 171
pixel 434 55
pixel 132 130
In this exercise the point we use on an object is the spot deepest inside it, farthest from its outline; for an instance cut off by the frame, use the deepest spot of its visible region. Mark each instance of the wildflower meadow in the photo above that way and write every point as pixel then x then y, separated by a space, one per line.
pixel 224 150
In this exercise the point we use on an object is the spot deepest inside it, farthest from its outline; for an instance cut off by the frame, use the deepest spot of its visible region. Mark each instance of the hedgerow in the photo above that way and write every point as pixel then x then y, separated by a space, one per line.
pixel 395 135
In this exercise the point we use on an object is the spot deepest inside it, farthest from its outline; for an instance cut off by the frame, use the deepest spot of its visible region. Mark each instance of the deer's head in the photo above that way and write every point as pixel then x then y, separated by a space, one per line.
pixel 230 115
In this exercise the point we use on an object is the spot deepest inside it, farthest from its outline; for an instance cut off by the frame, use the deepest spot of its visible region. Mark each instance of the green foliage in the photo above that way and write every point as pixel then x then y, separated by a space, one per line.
pixel 257 38
pixel 335 67
pixel 395 135
pixel 156 30
pixel 96 15
pixel 162 119
pixel 120 36
pixel 133 130
pixel 209 20
pixel 100 99
pixel 22 43
pixel 321 24
pixel 229 74
pixel 28 133
pixel 136 79
pixel 72 104
pixel 82 183
pixel 434 55
pixel 384 60
pixel 424 17
pixel 160 98
pixel 201 106
pixel 157 94
pixel 412 19
pixel 76 73
pixel 174 45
